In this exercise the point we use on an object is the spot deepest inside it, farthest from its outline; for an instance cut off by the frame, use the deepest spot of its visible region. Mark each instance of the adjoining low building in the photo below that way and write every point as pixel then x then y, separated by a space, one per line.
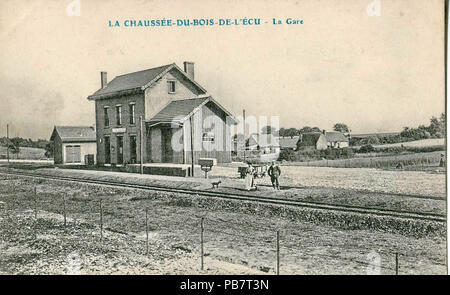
pixel 312 141
pixel 336 139
pixel 71 144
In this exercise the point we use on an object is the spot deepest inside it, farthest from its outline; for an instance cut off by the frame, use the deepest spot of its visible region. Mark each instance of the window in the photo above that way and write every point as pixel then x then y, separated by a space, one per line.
pixel 132 113
pixel 171 85
pixel 105 116
pixel 208 136
pixel 118 115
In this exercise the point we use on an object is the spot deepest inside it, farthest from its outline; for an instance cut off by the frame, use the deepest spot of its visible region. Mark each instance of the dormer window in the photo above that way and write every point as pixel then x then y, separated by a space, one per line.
pixel 172 86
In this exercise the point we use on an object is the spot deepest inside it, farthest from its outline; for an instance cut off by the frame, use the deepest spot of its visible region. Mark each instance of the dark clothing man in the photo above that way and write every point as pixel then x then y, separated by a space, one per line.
pixel 274 173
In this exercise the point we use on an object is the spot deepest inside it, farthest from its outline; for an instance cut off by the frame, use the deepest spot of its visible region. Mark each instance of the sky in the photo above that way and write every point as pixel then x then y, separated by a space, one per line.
pixel 373 73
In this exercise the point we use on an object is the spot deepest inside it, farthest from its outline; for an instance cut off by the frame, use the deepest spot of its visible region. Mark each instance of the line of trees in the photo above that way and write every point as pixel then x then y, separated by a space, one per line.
pixel 289 132
pixel 436 129
pixel 15 143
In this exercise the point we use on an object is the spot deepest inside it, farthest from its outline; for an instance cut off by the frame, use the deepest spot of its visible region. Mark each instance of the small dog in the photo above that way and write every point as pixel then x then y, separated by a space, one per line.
pixel 216 184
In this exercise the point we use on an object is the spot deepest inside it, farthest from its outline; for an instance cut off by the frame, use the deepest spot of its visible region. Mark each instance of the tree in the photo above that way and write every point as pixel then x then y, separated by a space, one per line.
pixel 269 130
pixel 13 148
pixel 49 150
pixel 341 127
pixel 308 129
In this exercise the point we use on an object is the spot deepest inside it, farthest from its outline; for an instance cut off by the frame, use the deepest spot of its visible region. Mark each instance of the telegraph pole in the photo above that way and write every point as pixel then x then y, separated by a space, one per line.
pixel 7 142
pixel 192 145
pixel 141 150
pixel 244 134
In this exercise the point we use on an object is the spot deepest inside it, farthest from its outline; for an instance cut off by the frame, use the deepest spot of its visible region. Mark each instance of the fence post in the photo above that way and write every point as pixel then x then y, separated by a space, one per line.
pixel 278 252
pixel 146 230
pixel 396 263
pixel 201 243
pixel 65 214
pixel 101 221
pixel 35 203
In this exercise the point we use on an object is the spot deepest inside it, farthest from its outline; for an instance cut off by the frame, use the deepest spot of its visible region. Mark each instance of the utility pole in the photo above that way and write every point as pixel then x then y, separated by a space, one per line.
pixel 141 150
pixel 244 134
pixel 192 145
pixel 7 143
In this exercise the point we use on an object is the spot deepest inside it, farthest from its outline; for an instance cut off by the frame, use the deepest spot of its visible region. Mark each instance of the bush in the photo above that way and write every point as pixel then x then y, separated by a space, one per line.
pixel 368 148
pixel 287 155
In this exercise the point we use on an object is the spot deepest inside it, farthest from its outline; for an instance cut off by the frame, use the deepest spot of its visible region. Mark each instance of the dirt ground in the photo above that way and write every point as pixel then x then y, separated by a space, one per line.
pixel 234 243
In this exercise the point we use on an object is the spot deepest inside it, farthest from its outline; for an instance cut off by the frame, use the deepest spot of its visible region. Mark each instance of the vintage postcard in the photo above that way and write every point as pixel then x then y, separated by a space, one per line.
pixel 286 137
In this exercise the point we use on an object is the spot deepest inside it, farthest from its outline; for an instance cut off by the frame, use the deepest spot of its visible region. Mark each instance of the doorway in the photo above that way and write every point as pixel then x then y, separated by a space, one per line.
pixel 107 150
pixel 133 153
pixel 166 145
pixel 119 150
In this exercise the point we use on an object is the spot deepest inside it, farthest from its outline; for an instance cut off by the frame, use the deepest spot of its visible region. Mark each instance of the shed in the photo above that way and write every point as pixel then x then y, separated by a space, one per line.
pixel 71 144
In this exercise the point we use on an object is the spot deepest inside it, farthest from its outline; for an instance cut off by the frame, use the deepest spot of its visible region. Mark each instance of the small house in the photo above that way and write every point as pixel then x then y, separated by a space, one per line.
pixel 71 144
pixel 336 139
pixel 265 143
pixel 312 141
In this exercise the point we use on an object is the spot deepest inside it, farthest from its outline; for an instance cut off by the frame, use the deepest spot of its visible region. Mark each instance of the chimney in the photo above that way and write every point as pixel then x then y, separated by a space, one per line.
pixel 104 79
pixel 323 131
pixel 189 69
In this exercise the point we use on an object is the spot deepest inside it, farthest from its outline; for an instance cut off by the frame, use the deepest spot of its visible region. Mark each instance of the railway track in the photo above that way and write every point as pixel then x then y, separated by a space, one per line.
pixel 252 198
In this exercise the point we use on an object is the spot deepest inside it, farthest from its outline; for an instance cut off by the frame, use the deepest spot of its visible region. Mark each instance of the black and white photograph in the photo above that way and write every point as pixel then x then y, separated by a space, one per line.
pixel 285 137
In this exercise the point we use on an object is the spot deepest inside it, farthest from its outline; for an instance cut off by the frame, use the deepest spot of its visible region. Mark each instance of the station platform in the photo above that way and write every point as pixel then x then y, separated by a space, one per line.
pixel 167 169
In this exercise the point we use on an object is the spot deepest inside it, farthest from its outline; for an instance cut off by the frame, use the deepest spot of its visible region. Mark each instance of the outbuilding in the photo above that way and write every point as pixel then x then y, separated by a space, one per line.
pixel 74 145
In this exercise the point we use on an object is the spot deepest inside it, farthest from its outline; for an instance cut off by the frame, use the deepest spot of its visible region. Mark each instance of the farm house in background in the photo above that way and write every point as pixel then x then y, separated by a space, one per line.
pixel 71 145
pixel 336 139
pixel 312 141
pixel 265 143
pixel 170 102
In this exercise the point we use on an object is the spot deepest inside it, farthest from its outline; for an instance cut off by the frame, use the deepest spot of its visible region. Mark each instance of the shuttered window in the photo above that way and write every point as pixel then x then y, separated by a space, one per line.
pixel 119 115
pixel 132 114
pixel 106 116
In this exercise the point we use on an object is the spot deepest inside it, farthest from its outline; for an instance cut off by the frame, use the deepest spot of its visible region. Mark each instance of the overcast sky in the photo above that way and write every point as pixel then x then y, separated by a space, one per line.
pixel 374 73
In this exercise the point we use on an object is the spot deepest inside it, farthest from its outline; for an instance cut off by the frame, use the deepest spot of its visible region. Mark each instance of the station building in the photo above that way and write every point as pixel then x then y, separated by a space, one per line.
pixel 156 112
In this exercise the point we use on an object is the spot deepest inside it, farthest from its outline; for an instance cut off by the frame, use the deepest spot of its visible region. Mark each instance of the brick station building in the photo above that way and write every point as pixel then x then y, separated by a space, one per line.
pixel 172 106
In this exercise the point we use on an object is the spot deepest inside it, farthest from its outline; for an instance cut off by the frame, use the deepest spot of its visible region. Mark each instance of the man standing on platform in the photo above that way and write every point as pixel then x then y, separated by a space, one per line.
pixel 274 173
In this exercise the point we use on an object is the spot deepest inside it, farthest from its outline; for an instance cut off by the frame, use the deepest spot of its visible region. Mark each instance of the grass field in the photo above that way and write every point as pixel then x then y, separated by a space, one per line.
pixel 426 161
pixel 236 241
pixel 28 153
pixel 416 143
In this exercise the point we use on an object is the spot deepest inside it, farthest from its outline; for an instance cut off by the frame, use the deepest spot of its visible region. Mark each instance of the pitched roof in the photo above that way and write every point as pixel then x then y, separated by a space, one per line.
pixel 138 81
pixel 74 133
pixel 177 111
pixel 310 138
pixel 335 136
pixel 288 142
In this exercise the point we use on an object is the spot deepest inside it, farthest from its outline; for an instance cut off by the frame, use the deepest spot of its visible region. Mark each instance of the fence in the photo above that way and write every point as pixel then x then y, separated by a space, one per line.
pixel 209 234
